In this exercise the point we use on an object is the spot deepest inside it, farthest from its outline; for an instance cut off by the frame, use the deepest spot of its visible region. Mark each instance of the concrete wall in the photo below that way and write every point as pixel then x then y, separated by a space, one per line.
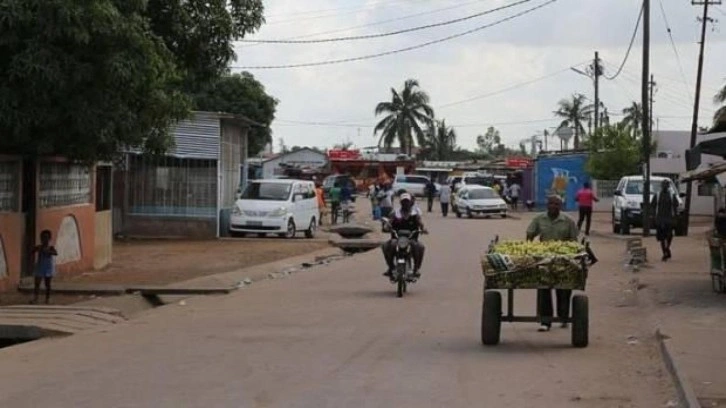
pixel 163 227
pixel 12 228
pixel 103 238
pixel 73 230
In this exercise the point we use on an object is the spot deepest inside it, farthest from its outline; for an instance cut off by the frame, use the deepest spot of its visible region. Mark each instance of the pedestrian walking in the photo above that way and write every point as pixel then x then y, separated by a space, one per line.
pixel 320 194
pixel 44 266
pixel 385 200
pixel 346 196
pixel 445 199
pixel 430 193
pixel 497 188
pixel 585 199
pixel 334 204
pixel 665 206
pixel 514 192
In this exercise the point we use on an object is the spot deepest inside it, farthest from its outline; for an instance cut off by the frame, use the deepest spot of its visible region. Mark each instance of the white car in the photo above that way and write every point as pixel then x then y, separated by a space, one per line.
pixel 278 206
pixel 627 211
pixel 473 199
pixel 413 184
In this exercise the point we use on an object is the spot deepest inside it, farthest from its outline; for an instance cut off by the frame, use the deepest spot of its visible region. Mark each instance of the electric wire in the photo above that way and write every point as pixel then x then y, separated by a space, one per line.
pixel 411 48
pixel 506 89
pixel 630 47
pixel 332 12
pixel 390 33
pixel 375 23
pixel 675 49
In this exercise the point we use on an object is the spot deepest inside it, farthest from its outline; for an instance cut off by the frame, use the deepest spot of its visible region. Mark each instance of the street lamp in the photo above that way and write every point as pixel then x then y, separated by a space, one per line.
pixel 581 72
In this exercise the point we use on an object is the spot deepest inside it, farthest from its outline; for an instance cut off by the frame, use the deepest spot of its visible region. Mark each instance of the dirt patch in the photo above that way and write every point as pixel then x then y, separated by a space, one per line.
pixel 164 262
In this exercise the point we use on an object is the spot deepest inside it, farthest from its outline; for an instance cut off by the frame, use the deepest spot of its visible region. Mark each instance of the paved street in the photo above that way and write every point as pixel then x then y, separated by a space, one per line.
pixel 336 336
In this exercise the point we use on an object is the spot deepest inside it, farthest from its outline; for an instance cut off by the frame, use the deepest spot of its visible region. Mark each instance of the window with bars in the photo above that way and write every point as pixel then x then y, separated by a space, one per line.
pixel 605 188
pixel 9 186
pixel 170 186
pixel 63 184
pixel 706 189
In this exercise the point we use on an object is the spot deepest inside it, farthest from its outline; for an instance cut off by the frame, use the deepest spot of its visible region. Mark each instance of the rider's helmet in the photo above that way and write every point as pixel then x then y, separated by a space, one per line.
pixel 406 202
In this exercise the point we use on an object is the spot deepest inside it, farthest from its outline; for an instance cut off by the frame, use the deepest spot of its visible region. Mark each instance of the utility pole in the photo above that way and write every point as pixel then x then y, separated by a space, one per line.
pixel 699 75
pixel 546 133
pixel 646 117
pixel 597 71
pixel 652 90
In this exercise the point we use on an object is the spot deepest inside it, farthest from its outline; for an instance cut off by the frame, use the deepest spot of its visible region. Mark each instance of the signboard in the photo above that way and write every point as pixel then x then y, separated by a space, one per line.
pixel 338 154
pixel 521 163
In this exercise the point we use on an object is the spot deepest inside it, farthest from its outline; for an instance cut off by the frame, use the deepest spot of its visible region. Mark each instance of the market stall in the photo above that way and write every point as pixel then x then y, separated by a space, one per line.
pixel 715 176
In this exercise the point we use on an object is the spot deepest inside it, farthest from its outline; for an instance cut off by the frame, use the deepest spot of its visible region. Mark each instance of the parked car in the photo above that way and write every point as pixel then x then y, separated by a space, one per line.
pixel 627 209
pixel 279 206
pixel 339 180
pixel 413 184
pixel 474 199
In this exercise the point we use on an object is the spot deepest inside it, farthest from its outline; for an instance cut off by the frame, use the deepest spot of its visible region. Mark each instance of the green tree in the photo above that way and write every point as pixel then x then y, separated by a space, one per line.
pixel 574 112
pixel 633 119
pixel 719 119
pixel 407 114
pixel 613 153
pixel 84 79
pixel 490 144
pixel 523 149
pixel 241 94
pixel 201 33
pixel 439 142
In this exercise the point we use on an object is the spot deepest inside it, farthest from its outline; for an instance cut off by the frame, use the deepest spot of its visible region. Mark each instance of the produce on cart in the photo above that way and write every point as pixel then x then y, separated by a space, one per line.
pixel 535 265
pixel 514 265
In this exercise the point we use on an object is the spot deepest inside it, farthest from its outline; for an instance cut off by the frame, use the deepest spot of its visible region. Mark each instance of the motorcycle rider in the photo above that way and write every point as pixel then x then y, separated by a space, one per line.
pixel 407 217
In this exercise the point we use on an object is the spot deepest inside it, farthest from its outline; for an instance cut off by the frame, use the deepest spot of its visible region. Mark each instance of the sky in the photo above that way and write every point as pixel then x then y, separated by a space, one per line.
pixel 509 75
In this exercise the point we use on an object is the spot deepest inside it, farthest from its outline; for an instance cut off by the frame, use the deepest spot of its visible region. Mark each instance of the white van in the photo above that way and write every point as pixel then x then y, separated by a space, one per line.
pixel 278 206
pixel 627 207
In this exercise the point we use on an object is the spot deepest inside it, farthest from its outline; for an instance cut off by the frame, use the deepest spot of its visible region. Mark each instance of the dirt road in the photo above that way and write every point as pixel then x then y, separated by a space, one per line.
pixel 337 337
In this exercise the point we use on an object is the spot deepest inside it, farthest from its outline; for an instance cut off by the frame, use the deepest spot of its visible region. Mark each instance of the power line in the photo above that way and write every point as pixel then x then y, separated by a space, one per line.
pixel 675 49
pixel 332 12
pixel 630 47
pixel 390 33
pixel 367 6
pixel 375 23
pixel 328 124
pixel 506 89
pixel 418 46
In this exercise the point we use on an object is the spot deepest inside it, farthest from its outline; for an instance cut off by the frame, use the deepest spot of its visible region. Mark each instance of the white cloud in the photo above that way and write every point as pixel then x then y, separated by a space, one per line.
pixel 563 34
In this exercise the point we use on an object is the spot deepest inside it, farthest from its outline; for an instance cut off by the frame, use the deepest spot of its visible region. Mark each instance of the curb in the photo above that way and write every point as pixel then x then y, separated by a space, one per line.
pixel 685 393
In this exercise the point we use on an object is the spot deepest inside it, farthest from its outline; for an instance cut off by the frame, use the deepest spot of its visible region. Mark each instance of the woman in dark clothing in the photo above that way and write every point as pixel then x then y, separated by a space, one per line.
pixel 665 205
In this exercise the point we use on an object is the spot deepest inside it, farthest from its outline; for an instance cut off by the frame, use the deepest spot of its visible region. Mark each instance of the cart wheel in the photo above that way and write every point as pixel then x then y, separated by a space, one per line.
pixel 580 321
pixel 491 318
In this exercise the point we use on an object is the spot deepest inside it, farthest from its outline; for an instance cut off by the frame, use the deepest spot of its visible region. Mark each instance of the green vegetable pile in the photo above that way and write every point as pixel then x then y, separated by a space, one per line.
pixel 531 265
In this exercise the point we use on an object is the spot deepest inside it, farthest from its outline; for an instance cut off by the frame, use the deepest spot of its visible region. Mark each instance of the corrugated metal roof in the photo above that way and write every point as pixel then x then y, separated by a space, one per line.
pixel 197 137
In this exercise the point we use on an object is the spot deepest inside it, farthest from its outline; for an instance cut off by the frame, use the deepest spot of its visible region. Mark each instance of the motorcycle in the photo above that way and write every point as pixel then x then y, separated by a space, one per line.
pixel 403 258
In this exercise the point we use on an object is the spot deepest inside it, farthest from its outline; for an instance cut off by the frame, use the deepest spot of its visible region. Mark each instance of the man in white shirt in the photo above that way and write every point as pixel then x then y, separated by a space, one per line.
pixel 514 191
pixel 445 199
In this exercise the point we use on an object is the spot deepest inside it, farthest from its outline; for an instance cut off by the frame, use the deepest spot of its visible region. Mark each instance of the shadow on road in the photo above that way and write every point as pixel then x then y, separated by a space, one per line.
pixel 507 346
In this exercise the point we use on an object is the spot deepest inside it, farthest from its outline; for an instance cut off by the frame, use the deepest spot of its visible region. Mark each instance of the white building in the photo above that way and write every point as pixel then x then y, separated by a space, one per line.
pixel 669 159
pixel 305 158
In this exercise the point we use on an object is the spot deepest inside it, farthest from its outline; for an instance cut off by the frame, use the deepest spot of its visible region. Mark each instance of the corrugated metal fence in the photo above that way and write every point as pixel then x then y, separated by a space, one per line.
pixel 9 185
pixel 172 186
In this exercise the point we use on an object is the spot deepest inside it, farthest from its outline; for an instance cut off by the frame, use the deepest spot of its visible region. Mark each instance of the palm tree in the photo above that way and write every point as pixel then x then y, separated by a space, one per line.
pixel 574 113
pixel 440 141
pixel 407 113
pixel 719 119
pixel 633 118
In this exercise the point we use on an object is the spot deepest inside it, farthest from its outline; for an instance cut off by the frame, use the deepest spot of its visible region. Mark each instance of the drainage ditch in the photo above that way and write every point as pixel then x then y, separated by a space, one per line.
pixel 11 335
